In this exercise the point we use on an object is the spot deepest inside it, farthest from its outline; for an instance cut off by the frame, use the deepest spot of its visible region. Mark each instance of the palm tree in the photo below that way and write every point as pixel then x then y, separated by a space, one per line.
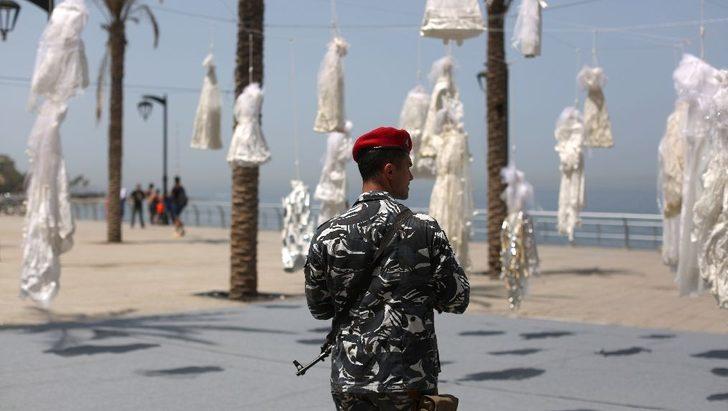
pixel 117 13
pixel 244 214
pixel 497 119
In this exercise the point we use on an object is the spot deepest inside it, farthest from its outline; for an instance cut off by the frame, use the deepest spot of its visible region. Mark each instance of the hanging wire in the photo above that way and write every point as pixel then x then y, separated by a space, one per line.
pixel 250 58
pixel 293 98
pixel 334 20
pixel 419 59
pixel 576 83
pixel 702 29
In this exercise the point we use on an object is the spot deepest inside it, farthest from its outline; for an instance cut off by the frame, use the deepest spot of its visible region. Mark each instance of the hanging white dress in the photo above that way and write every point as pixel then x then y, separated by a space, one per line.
pixel 451 202
pixel 569 140
pixel 248 147
pixel 710 213
pixel 412 117
pixel 527 33
pixel 61 71
pixel 443 89
pixel 331 115
pixel 297 227
pixel 672 163
pixel 206 128
pixel 519 256
pixel 452 20
pixel 331 189
pixel 597 127
pixel 696 84
pixel 61 68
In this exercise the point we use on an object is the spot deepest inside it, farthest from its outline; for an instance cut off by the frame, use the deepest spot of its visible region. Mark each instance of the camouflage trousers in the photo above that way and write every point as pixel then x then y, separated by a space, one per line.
pixel 385 401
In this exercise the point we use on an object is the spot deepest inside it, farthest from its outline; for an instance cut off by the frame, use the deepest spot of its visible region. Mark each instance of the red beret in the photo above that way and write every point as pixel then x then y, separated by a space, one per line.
pixel 382 137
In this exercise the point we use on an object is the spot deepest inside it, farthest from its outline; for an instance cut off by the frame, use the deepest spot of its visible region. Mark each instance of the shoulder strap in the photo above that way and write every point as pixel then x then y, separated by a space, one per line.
pixel 365 278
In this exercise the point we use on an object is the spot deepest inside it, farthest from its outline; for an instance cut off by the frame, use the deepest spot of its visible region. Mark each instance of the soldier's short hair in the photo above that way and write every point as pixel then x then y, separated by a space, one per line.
pixel 372 160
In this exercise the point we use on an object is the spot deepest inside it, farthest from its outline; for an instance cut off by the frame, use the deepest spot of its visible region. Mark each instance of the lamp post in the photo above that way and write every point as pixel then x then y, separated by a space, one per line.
pixel 9 11
pixel 145 109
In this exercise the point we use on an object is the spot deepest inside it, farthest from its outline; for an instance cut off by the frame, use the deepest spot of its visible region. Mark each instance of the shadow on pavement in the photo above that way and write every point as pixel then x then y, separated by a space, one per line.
pixel 99 349
pixel 512 374
pixel 69 337
pixel 180 372
pixel 587 272
pixel 718 397
pixel 481 333
pixel 546 334
pixel 313 341
pixel 525 351
pixel 658 336
pixel 713 354
pixel 623 352
pixel 720 372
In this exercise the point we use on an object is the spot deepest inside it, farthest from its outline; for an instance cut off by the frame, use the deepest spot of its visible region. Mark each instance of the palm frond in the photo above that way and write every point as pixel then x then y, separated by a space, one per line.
pixel 144 11
pixel 100 83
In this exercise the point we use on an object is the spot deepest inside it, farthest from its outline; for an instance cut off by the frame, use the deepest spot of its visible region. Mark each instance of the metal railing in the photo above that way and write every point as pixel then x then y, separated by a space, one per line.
pixel 597 228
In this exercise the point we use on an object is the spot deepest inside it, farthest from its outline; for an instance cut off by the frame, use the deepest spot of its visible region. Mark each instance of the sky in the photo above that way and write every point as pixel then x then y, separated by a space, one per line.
pixel 636 44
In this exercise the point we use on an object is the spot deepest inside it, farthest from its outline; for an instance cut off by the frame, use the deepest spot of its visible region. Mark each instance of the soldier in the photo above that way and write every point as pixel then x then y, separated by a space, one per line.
pixel 385 355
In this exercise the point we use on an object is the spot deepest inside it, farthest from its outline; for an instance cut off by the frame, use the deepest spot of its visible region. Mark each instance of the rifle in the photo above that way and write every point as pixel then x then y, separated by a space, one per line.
pixel 361 284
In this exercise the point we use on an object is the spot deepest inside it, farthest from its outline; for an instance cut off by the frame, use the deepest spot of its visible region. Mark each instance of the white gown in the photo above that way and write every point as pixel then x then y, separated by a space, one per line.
pixel 248 147
pixel 443 89
pixel 597 127
pixel 331 115
pixel 331 189
pixel 527 32
pixel 569 140
pixel 672 163
pixel 61 71
pixel 695 83
pixel 297 227
pixel 452 20
pixel 206 128
pixel 451 203
pixel 710 213
pixel 413 116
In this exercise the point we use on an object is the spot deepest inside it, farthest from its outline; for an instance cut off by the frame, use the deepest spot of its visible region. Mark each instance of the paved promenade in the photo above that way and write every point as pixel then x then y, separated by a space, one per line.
pixel 153 273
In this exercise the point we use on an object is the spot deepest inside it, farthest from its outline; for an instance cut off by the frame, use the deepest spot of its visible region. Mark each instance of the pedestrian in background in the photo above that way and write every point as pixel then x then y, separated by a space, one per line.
pixel 137 198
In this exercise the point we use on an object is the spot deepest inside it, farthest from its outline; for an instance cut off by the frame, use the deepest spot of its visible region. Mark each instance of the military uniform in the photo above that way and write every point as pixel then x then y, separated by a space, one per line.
pixel 389 345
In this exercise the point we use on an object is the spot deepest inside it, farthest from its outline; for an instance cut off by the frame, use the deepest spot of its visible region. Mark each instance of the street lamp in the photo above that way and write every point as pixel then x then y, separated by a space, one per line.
pixel 9 11
pixel 145 110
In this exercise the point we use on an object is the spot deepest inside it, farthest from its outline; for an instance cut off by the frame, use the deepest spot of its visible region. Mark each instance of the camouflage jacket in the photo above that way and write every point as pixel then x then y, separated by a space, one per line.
pixel 390 344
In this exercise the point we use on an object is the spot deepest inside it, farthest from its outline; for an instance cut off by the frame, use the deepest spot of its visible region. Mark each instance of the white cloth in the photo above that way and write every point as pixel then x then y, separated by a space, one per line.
pixel 413 116
pixel 710 213
pixel 443 89
pixel 670 183
pixel 61 68
pixel 597 127
pixel 331 115
pixel 331 189
pixel 248 147
pixel 569 135
pixel 206 128
pixel 527 33
pixel 61 71
pixel 297 227
pixel 696 84
pixel 452 20
pixel 49 226
pixel 451 202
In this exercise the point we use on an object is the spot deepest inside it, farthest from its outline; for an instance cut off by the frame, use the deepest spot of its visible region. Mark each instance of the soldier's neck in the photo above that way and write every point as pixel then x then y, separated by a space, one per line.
pixel 374 185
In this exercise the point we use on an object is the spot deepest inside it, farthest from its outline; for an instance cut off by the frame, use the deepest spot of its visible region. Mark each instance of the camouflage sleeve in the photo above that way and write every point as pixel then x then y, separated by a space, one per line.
pixel 452 289
pixel 318 296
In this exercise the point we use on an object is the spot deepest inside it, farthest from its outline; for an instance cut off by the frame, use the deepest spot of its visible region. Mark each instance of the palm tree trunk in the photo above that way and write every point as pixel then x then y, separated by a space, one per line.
pixel 244 214
pixel 117 45
pixel 497 119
